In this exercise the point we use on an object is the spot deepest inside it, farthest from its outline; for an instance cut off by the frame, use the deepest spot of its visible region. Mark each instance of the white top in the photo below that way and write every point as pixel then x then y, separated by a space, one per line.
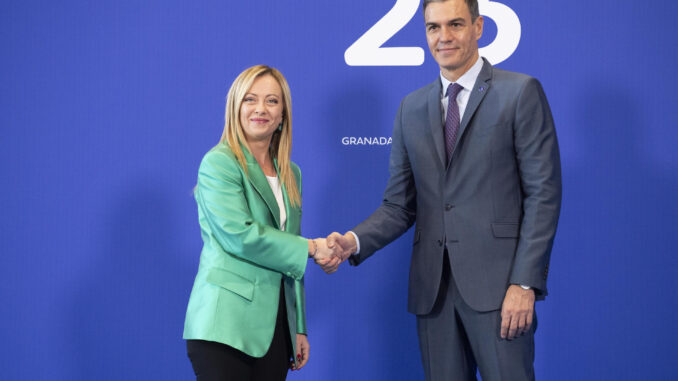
pixel 467 81
pixel 277 192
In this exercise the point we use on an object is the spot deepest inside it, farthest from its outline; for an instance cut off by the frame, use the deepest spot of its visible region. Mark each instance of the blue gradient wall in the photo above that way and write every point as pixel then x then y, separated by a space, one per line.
pixel 107 108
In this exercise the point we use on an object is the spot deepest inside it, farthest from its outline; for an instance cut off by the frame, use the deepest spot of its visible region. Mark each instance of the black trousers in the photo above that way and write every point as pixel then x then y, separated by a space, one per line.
pixel 219 362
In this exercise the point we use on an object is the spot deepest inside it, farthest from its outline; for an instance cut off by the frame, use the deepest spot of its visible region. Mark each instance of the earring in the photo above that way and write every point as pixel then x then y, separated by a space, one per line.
pixel 280 127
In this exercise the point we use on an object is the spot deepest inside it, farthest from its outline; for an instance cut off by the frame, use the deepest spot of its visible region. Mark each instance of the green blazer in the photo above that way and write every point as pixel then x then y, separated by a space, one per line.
pixel 245 255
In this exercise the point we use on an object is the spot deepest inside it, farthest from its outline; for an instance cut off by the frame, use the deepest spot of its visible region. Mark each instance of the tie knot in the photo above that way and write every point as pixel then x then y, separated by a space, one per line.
pixel 453 90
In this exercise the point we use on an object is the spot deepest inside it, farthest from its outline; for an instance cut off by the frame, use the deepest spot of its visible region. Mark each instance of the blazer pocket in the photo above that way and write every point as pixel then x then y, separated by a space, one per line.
pixel 506 230
pixel 232 282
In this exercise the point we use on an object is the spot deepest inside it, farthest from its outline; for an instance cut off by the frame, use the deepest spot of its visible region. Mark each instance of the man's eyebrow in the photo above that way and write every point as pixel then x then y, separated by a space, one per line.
pixel 455 20
pixel 458 19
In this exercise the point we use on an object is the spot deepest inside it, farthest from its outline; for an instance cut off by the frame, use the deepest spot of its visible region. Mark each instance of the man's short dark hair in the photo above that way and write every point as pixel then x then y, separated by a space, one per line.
pixel 472 7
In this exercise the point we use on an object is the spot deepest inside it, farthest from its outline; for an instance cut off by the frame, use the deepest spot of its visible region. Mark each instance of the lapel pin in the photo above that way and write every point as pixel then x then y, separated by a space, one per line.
pixel 481 89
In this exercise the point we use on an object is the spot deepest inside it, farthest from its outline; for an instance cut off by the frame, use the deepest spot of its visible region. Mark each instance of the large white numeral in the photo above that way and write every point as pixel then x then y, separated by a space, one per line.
pixel 367 50
pixel 508 31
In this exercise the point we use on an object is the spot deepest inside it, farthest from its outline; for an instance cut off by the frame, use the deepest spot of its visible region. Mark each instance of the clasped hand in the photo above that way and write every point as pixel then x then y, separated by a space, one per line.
pixel 333 250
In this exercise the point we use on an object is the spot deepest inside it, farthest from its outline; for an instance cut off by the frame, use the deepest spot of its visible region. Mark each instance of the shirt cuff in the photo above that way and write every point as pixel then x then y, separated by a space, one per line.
pixel 357 243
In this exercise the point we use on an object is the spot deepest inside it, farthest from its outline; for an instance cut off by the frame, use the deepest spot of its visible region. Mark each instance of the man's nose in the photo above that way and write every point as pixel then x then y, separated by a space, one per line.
pixel 446 34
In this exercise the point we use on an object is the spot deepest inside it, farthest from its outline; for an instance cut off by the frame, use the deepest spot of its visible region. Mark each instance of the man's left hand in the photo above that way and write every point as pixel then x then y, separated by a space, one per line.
pixel 517 312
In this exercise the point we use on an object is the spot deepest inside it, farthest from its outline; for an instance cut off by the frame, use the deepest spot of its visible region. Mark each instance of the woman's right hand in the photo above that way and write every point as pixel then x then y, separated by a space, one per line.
pixel 328 259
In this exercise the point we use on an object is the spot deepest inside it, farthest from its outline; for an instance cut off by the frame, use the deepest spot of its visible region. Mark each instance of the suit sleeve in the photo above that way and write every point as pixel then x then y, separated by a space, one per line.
pixel 221 196
pixel 397 211
pixel 538 161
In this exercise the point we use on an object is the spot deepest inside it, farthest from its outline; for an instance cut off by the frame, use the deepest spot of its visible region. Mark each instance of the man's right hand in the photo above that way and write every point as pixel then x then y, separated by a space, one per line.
pixel 334 250
pixel 346 243
pixel 328 258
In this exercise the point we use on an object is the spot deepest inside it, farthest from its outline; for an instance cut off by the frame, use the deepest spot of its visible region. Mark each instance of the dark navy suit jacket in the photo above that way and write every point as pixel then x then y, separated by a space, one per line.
pixel 494 205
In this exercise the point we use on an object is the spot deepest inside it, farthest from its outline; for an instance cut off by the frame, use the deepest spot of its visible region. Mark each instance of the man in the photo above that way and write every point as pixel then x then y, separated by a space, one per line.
pixel 475 163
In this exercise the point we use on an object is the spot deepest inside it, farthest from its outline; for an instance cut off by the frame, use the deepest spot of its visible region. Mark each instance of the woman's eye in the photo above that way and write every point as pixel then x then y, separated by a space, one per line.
pixel 249 99
pixel 273 101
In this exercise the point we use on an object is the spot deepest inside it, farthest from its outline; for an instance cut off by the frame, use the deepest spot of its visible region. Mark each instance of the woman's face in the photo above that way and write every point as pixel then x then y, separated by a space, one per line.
pixel 261 110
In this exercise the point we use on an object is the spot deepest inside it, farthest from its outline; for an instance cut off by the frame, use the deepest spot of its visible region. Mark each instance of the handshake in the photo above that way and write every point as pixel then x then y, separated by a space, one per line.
pixel 330 252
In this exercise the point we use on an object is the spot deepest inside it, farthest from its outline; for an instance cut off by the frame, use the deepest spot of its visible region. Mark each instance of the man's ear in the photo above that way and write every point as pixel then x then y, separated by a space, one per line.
pixel 478 27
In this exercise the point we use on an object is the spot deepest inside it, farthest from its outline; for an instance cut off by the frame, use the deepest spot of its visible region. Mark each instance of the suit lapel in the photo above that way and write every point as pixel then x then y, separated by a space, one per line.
pixel 258 180
pixel 478 92
pixel 435 118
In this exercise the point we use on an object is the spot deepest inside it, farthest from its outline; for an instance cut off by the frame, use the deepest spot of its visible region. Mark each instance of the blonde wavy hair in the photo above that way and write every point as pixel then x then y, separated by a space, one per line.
pixel 281 142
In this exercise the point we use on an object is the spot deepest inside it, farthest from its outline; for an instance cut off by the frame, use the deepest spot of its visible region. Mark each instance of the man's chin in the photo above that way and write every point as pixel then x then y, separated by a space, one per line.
pixel 449 66
pixel 448 61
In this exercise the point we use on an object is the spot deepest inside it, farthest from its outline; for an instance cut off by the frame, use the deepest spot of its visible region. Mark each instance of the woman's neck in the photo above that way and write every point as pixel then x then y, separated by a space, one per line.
pixel 260 151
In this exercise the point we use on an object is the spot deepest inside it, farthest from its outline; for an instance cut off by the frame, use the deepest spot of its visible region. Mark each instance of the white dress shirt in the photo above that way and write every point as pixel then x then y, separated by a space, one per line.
pixel 467 81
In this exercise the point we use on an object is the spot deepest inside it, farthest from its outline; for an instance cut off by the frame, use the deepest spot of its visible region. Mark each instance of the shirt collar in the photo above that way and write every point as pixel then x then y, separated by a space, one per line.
pixel 467 80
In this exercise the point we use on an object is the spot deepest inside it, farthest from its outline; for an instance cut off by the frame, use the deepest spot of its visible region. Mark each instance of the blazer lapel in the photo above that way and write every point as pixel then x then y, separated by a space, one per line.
pixel 258 180
pixel 435 118
pixel 478 92
pixel 292 222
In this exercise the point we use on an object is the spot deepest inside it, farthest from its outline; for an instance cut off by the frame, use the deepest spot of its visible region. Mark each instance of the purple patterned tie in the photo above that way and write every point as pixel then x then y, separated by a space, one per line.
pixel 452 119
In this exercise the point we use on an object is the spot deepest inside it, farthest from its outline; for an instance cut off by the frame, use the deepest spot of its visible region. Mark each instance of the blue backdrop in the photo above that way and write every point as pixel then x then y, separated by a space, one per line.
pixel 108 106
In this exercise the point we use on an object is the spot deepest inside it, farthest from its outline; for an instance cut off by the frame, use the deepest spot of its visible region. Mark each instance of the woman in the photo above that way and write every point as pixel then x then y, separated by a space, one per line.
pixel 246 315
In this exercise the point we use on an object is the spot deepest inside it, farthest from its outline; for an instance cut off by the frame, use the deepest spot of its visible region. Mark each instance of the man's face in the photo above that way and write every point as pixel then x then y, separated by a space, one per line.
pixel 451 36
